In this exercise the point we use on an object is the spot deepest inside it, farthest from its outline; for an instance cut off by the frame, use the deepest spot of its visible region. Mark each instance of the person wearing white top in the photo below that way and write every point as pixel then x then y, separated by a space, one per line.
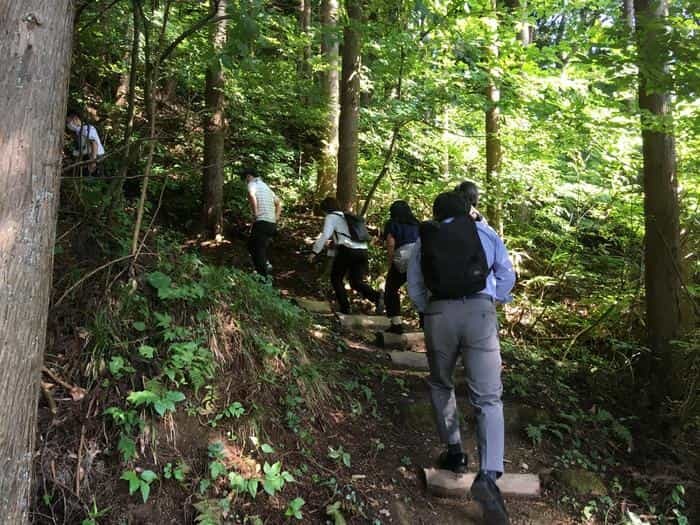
pixel 350 258
pixel 266 207
pixel 88 144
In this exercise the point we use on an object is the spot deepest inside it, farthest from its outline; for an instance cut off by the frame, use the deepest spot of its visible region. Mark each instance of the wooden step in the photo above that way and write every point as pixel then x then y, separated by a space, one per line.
pixel 410 341
pixel 415 360
pixel 371 323
pixel 313 305
pixel 447 484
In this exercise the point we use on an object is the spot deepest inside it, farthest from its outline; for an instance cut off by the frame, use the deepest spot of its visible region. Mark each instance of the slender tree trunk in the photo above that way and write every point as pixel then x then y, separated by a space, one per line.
pixel 214 130
pixel 328 163
pixel 492 124
pixel 35 53
pixel 118 183
pixel 523 26
pixel 662 229
pixel 349 107
pixel 304 68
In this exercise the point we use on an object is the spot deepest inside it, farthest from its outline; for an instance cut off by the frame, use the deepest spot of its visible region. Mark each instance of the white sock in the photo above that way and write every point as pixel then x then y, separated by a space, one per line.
pixel 396 319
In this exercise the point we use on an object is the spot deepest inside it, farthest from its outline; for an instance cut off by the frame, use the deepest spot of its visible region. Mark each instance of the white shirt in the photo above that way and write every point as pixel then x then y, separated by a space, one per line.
pixel 336 226
pixel 265 199
pixel 90 134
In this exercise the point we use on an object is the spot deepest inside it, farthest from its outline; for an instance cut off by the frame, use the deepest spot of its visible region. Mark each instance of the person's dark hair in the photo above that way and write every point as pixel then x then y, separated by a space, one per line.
pixel 329 204
pixel 449 204
pixel 73 113
pixel 401 212
pixel 248 170
pixel 470 192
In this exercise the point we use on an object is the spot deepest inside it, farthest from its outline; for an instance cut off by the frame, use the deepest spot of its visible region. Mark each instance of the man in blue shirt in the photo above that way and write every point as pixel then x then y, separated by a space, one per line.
pixel 466 326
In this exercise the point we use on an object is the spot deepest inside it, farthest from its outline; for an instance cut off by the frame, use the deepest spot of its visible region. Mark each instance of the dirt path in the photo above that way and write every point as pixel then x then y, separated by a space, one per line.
pixel 392 437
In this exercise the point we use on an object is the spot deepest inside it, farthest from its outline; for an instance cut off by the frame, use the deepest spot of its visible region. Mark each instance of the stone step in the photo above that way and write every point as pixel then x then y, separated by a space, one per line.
pixel 409 341
pixel 372 323
pixel 313 305
pixel 447 484
pixel 415 360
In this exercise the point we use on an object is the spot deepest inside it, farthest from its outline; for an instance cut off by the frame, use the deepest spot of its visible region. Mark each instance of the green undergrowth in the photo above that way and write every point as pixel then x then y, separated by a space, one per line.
pixel 191 348
pixel 593 441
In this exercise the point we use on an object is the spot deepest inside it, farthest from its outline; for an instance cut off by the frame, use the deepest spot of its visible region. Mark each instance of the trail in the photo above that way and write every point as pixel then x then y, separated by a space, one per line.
pixel 390 448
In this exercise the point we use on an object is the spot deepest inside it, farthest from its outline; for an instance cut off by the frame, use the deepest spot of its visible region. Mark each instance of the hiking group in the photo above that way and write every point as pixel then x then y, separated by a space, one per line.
pixel 457 269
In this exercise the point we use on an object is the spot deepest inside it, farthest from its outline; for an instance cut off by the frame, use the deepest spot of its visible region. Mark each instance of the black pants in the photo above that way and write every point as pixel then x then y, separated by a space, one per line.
pixel 394 280
pixel 354 263
pixel 260 236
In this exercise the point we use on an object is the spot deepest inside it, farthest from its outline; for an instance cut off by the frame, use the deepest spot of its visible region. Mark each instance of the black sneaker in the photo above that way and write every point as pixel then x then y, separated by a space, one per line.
pixel 457 463
pixel 380 304
pixel 487 494
pixel 395 329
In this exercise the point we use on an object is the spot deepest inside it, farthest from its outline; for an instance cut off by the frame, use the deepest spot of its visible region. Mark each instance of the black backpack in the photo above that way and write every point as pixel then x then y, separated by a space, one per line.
pixel 452 258
pixel 357 228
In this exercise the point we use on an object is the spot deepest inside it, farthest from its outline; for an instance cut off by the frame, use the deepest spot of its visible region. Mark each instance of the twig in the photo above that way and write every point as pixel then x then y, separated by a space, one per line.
pixel 80 460
pixel 46 390
pixel 87 276
pixel 56 378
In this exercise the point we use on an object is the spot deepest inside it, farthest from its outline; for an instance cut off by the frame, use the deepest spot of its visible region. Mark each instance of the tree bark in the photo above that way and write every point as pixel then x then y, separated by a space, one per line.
pixel 214 130
pixel 662 258
pixel 35 51
pixel 349 107
pixel 492 125
pixel 328 163
pixel 304 68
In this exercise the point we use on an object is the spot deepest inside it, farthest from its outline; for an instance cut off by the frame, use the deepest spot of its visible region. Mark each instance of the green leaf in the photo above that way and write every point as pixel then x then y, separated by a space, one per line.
pixel 216 469
pixel 133 479
pixel 253 485
pixel 149 476
pixel 127 447
pixel 159 281
pixel 145 491
pixel 267 449
pixel 139 326
pixel 175 396
pixel 147 351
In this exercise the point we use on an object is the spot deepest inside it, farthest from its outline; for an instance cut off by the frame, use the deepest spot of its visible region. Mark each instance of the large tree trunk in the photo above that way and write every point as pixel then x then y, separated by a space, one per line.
pixel 492 124
pixel 328 163
pixel 349 107
pixel 214 130
pixel 35 50
pixel 662 231
pixel 304 67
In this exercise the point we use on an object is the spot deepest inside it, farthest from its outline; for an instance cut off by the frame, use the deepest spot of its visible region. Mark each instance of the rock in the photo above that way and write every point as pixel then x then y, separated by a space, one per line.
pixel 313 306
pixel 445 483
pixel 411 341
pixel 415 360
pixel 369 322
pixel 581 482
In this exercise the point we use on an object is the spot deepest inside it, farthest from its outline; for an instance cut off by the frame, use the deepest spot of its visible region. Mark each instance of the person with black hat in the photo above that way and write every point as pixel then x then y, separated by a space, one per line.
pixel 266 208
pixel 458 271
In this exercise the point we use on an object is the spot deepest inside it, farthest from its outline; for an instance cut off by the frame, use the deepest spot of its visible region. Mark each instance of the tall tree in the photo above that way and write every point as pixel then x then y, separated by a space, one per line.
pixel 35 57
pixel 492 122
pixel 214 128
pixel 662 258
pixel 328 163
pixel 349 106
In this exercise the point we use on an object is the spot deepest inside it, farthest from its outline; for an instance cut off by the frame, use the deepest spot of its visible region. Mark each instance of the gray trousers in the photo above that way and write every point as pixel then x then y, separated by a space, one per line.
pixel 467 327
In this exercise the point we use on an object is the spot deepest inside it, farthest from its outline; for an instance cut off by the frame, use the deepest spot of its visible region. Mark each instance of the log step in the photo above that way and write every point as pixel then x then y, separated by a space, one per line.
pixel 411 341
pixel 314 306
pixel 369 322
pixel 447 484
pixel 415 360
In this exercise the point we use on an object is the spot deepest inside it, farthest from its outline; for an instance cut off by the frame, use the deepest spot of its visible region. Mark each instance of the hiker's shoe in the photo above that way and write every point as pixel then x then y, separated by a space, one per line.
pixel 457 463
pixel 268 266
pixel 395 329
pixel 486 493
pixel 379 310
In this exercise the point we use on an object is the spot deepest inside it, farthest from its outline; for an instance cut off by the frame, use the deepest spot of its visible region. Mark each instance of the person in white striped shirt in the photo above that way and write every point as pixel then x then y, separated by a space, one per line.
pixel 266 208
